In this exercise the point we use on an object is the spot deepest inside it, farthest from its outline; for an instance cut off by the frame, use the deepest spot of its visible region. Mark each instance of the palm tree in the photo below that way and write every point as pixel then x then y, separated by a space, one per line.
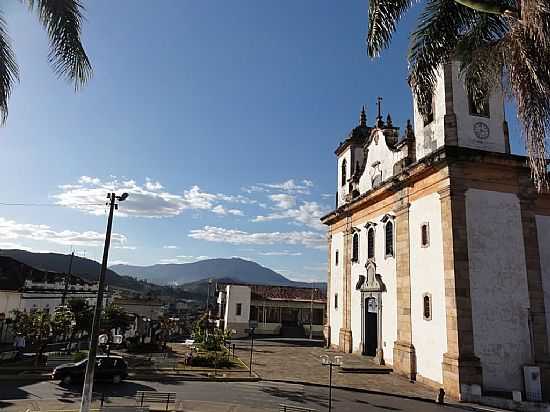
pixel 497 42
pixel 61 19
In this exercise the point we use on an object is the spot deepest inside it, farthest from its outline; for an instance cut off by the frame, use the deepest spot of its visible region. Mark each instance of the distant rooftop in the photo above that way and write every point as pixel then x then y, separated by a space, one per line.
pixel 272 292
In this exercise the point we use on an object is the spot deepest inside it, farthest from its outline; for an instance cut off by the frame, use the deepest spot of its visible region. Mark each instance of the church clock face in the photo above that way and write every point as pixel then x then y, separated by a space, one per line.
pixel 481 130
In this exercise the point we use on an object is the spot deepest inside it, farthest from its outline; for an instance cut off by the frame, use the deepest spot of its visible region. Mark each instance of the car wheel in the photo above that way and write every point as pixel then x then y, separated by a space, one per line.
pixel 67 379
pixel 117 379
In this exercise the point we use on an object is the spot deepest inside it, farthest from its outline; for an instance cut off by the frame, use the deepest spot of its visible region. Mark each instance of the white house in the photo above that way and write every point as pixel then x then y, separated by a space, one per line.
pixel 439 248
pixel 273 310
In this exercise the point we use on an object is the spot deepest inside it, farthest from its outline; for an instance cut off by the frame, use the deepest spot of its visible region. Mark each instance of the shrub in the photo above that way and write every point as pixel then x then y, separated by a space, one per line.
pixel 210 360
pixel 78 356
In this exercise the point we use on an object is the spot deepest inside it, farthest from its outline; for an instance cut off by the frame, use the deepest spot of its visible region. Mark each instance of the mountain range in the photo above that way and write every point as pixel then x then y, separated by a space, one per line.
pixel 146 278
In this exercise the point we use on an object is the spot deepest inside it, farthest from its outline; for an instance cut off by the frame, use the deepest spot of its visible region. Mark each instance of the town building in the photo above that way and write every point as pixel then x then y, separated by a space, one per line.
pixel 25 288
pixel 273 310
pixel 439 249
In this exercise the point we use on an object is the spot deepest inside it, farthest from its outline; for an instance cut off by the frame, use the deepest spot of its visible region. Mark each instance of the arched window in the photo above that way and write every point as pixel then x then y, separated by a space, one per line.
pixel 425 235
pixel 355 248
pixel 336 258
pixel 370 243
pixel 344 172
pixel 389 238
pixel 427 306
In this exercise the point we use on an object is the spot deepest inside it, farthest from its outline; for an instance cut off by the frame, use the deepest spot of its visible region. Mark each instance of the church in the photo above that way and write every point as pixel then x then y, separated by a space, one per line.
pixel 439 250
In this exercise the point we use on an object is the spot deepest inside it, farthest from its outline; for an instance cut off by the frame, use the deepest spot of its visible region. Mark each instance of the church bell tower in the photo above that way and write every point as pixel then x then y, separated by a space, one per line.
pixel 456 121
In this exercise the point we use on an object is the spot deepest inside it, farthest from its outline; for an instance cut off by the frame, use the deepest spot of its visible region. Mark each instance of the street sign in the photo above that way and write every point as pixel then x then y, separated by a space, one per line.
pixel 117 339
pixel 103 339
pixel 253 324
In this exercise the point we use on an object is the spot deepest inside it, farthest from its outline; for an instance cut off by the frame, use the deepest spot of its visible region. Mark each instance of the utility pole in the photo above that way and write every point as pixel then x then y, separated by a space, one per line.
pixel 67 280
pixel 88 388
pixel 311 315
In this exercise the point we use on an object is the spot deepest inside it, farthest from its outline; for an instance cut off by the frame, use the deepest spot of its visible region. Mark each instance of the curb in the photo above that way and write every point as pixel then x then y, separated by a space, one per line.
pixel 468 407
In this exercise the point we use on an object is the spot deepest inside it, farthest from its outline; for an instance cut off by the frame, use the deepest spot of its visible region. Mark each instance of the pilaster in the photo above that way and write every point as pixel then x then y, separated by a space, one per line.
pixel 326 329
pixel 537 311
pixel 449 118
pixel 404 355
pixel 460 365
pixel 345 343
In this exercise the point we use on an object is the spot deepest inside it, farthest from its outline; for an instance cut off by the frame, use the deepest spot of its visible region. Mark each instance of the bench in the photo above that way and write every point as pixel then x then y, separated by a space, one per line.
pixel 292 408
pixel 146 397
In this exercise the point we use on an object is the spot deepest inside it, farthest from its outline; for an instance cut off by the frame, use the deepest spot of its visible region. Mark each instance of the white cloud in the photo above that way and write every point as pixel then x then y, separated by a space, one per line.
pixel 147 200
pixel 183 259
pixel 240 237
pixel 289 186
pixel 170 247
pixel 283 200
pixel 281 253
pixel 308 213
pixel 117 262
pixel 11 230
pixel 126 247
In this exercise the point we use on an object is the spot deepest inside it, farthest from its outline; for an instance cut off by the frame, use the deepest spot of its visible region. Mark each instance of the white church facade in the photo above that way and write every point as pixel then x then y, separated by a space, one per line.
pixel 439 249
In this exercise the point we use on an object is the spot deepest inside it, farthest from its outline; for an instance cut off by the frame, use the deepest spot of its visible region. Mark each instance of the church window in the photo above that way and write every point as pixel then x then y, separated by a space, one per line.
pixel 427 306
pixel 355 248
pixel 239 310
pixel 480 106
pixel 336 301
pixel 389 238
pixel 429 117
pixel 336 258
pixel 344 172
pixel 370 243
pixel 425 234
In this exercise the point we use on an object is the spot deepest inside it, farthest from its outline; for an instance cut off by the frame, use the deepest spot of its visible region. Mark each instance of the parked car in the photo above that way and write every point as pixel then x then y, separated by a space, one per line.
pixel 109 368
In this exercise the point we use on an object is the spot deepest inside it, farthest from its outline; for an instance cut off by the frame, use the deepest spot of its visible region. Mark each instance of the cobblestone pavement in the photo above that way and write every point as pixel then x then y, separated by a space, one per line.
pixel 292 362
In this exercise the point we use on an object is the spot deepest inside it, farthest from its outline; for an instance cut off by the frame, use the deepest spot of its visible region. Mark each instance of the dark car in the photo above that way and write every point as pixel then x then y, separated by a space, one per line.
pixel 109 368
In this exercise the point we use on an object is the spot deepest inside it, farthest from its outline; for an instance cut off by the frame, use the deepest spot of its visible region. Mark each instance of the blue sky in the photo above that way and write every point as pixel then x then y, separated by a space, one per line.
pixel 219 118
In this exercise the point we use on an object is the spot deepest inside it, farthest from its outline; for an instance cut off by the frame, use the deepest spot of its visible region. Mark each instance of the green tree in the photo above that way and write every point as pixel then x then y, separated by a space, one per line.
pixel 62 20
pixel 497 42
pixel 36 327
pixel 62 321
pixel 115 318
pixel 83 315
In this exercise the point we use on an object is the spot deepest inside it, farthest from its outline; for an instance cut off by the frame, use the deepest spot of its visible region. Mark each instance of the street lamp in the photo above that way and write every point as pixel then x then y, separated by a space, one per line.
pixel 328 361
pixel 88 388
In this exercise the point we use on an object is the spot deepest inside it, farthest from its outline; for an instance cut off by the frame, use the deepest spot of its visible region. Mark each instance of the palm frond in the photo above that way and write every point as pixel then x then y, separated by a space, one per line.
pixel 528 72
pixel 383 18
pixel 62 20
pixel 8 70
pixel 439 29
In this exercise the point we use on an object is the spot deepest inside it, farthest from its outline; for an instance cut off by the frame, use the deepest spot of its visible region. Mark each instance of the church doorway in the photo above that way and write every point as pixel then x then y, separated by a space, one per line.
pixel 371 327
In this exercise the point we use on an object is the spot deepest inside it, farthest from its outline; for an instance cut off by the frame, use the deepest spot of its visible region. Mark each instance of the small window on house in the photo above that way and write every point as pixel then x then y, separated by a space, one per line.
pixel 370 243
pixel 336 301
pixel 355 248
pixel 389 238
pixel 336 255
pixel 425 235
pixel 479 106
pixel 239 310
pixel 344 172
pixel 427 306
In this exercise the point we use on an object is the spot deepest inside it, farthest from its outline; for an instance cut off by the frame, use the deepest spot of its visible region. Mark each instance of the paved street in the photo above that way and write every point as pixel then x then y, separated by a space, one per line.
pixel 210 396
pixel 293 362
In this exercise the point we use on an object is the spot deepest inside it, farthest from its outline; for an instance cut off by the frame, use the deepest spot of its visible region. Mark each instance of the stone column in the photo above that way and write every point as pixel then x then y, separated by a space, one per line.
pixel 326 329
pixel 404 354
pixel 460 365
pixel 539 344
pixel 345 337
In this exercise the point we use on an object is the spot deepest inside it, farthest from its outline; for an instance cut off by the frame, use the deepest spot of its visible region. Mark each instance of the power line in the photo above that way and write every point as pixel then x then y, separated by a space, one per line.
pixel 50 204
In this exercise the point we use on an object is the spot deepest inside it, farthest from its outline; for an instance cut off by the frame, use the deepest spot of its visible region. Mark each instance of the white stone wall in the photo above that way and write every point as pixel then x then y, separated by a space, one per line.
pixel 380 159
pixel 343 190
pixel 385 266
pixel 337 272
pixel 431 136
pixel 498 287
pixel 236 294
pixel 543 232
pixel 9 301
pixel 429 337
